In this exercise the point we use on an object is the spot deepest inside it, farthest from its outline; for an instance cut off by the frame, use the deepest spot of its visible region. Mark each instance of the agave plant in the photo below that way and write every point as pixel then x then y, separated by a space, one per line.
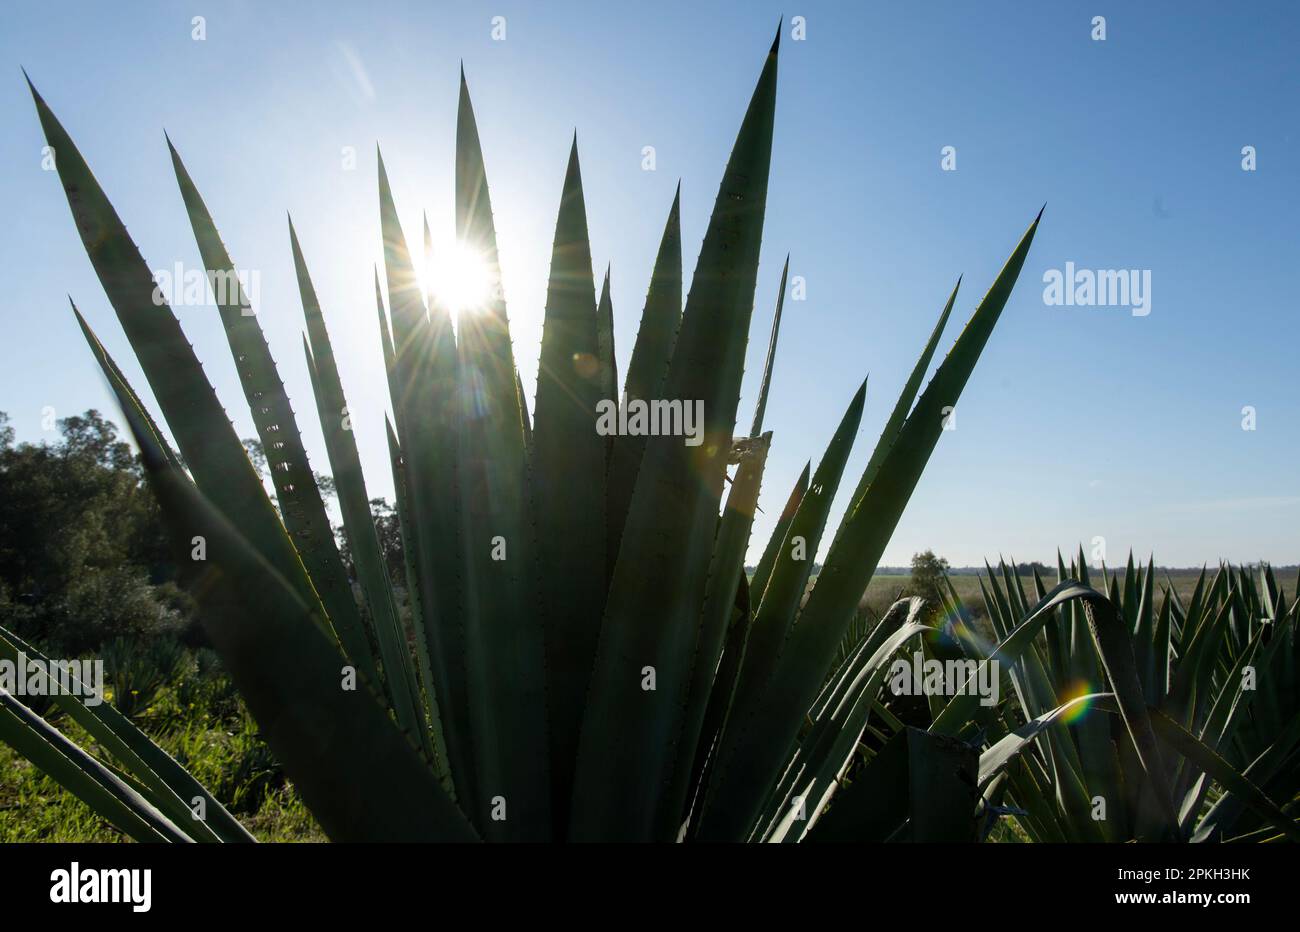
pixel 588 660
pixel 137 671
pixel 1217 676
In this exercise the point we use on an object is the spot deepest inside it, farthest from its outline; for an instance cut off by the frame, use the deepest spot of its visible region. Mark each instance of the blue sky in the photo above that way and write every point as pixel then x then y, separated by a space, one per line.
pixel 1079 422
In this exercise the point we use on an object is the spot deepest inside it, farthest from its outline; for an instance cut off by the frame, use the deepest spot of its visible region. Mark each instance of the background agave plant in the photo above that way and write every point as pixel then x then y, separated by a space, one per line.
pixel 615 676
pixel 1217 674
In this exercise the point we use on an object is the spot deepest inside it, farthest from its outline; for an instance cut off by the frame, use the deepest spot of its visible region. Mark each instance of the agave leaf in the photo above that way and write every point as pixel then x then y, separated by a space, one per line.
pixel 919 788
pixel 301 505
pixel 721 693
pixel 1222 816
pixel 1113 641
pixel 206 438
pixel 761 407
pixel 769 727
pixel 779 604
pixel 608 379
pixel 505 651
pixel 354 505
pixel 410 546
pixel 500 573
pixel 386 344
pixel 725 571
pixel 112 374
pixel 402 688
pixel 425 407
pixel 1195 750
pixel 902 406
pixel 507 688
pixel 727 566
pixel 523 413
pixel 1162 650
pixel 605 347
pixel 994 760
pixel 165 784
pixel 173 787
pixel 568 473
pixel 476 232
pixel 86 778
pixel 776 543
pixel 829 745
pixel 798 763
pixel 653 350
pixel 647 369
pixel 295 680
pixel 652 615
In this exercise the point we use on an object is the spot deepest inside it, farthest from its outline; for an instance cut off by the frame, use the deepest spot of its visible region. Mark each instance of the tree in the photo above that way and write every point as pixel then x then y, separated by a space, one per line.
pixel 928 574
pixel 83 553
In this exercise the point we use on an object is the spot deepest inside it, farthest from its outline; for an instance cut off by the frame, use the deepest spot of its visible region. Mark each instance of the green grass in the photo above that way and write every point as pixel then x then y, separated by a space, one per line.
pixel 201 722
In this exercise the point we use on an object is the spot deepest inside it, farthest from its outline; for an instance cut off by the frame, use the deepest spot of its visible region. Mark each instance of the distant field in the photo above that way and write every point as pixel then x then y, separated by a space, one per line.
pixel 885 588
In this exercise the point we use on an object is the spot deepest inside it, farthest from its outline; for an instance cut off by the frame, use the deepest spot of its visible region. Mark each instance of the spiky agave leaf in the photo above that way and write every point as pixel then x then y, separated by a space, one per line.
pixel 650 626
pixel 296 682
pixel 206 438
pixel 608 381
pixel 504 643
pixel 1219 709
pixel 779 603
pixel 406 529
pixel 86 778
pixel 256 601
pixel 425 407
pixel 166 783
pixel 476 230
pixel 761 407
pixel 919 788
pixel 301 505
pixel 726 568
pixel 1116 653
pixel 162 782
pixel 647 369
pixel 568 475
pixel 776 543
pixel 386 345
pixel 354 504
pixel 767 726
pixel 902 406
pixel 826 750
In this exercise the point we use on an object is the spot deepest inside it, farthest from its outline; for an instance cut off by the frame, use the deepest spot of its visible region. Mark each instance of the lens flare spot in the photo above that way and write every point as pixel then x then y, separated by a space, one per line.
pixel 1076 690
pixel 585 364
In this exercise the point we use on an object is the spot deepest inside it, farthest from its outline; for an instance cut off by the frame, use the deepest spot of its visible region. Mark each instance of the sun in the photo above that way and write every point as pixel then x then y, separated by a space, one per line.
pixel 460 278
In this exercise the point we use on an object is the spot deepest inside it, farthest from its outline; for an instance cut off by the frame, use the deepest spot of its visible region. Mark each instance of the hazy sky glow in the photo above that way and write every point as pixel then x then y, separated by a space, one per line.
pixel 1079 422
